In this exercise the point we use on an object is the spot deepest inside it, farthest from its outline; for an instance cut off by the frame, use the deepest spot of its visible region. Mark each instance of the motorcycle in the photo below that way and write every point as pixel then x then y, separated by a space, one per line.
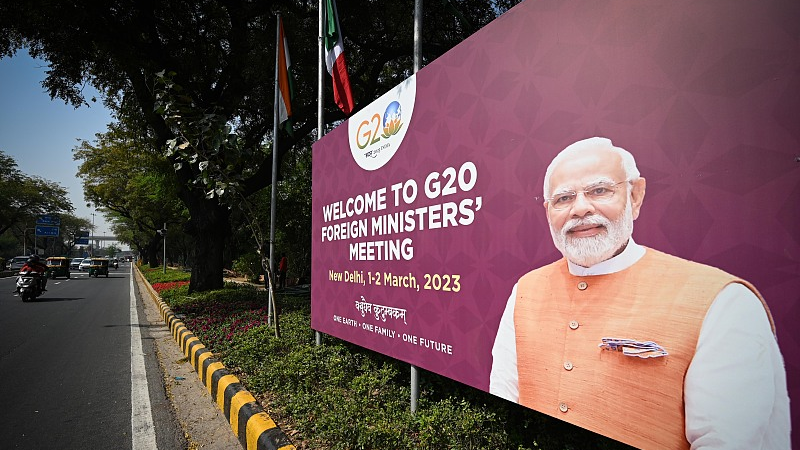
pixel 29 285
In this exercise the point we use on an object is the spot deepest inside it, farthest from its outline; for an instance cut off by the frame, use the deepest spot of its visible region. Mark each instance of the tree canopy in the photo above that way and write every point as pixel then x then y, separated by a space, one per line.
pixel 23 197
pixel 200 75
pixel 125 173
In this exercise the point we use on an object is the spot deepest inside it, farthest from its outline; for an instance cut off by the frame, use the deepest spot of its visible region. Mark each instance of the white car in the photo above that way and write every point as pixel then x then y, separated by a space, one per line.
pixel 17 262
pixel 75 263
pixel 84 266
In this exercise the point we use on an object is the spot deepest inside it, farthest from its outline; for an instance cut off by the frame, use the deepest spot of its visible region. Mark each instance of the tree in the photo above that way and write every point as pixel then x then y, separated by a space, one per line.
pixel 70 229
pixel 112 250
pixel 217 56
pixel 293 212
pixel 129 178
pixel 23 198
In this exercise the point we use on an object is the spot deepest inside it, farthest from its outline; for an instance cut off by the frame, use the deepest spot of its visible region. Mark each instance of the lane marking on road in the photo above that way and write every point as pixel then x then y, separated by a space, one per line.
pixel 142 429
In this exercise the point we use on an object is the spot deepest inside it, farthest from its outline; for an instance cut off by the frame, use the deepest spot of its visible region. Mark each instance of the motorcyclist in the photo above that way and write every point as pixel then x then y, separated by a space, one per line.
pixel 34 264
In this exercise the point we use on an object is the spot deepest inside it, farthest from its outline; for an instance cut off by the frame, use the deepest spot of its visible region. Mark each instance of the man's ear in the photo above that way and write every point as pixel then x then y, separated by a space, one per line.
pixel 546 211
pixel 638 188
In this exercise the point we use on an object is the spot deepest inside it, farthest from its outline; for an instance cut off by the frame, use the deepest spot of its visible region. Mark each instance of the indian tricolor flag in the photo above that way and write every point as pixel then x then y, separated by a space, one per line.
pixel 285 83
pixel 334 59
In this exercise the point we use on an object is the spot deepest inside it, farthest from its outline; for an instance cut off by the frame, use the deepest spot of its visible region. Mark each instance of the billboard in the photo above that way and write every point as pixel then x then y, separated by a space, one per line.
pixel 429 204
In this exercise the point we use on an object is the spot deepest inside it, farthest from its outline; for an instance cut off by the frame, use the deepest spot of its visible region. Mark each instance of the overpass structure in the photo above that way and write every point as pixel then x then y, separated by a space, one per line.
pixel 96 243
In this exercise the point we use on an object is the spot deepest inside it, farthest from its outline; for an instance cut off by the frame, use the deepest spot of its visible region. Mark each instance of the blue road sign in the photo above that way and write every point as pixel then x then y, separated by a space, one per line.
pixel 82 233
pixel 81 241
pixel 45 230
pixel 48 220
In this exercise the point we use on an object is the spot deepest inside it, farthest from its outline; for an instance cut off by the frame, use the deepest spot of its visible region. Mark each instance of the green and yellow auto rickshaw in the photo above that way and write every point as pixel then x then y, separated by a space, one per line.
pixel 57 266
pixel 98 266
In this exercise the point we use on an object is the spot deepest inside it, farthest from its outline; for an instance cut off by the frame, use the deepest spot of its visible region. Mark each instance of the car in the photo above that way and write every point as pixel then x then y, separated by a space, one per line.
pixel 84 266
pixel 75 263
pixel 17 262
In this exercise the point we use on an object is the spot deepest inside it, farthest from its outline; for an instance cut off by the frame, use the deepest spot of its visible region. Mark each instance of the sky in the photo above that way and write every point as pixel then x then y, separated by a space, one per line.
pixel 40 133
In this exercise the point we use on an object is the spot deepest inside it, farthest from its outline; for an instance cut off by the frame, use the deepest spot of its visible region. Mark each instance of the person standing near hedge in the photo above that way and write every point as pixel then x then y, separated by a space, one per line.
pixel 283 266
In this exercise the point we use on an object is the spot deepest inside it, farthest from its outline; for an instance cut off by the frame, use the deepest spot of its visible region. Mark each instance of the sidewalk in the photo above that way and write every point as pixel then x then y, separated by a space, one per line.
pixel 203 424
pixel 238 409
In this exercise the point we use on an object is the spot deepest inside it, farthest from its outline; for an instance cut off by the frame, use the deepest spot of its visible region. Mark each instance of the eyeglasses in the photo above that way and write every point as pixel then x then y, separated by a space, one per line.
pixel 598 193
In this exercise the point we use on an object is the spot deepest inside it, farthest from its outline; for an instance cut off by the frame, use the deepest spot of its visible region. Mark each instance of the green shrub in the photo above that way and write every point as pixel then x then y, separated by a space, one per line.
pixel 248 266
pixel 170 295
pixel 157 275
pixel 457 424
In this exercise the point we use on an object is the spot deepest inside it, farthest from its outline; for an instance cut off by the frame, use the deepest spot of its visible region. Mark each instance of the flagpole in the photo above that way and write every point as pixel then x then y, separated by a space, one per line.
pixel 321 74
pixel 274 189
pixel 417 35
pixel 417 66
pixel 320 97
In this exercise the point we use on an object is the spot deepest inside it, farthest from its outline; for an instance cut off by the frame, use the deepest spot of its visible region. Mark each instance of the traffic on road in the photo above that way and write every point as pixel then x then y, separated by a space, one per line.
pixel 78 369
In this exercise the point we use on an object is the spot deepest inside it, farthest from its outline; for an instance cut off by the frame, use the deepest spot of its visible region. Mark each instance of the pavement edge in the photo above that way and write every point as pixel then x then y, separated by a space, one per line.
pixel 252 426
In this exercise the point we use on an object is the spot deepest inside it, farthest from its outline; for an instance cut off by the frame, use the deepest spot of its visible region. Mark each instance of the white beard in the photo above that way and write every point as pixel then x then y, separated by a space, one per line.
pixel 588 251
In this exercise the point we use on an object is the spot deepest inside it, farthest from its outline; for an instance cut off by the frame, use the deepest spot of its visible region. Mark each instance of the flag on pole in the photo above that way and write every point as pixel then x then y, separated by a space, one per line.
pixel 285 81
pixel 334 59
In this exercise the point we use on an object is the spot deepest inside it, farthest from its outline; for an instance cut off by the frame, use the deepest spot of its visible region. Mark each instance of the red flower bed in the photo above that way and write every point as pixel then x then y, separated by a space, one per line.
pixel 161 287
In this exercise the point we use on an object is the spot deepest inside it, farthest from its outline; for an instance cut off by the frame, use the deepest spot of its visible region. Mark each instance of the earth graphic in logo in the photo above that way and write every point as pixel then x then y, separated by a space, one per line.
pixel 392 119
pixel 376 132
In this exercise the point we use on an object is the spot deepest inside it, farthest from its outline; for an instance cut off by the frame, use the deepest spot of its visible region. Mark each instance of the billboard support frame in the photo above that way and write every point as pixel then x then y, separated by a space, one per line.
pixel 320 100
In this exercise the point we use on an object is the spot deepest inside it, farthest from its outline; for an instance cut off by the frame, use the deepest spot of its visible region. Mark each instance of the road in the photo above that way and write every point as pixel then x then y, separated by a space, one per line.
pixel 66 365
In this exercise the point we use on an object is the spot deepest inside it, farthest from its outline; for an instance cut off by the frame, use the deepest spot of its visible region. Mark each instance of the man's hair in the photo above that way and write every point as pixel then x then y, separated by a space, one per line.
pixel 628 161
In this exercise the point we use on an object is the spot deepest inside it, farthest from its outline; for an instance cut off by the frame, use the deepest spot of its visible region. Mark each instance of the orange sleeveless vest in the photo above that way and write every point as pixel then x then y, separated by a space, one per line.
pixel 560 319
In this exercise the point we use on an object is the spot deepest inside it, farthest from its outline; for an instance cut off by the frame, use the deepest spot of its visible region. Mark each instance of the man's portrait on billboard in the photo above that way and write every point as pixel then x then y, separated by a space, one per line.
pixel 645 347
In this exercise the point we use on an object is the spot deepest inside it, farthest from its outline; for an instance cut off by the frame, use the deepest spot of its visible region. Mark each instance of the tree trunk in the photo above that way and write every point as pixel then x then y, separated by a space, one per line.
pixel 152 251
pixel 141 252
pixel 210 227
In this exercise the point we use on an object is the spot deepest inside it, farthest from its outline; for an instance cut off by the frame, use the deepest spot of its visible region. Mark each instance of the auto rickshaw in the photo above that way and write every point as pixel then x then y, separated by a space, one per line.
pixel 98 267
pixel 57 266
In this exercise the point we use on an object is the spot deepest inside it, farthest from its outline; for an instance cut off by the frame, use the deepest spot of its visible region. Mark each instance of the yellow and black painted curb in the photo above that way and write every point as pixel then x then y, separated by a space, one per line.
pixel 251 425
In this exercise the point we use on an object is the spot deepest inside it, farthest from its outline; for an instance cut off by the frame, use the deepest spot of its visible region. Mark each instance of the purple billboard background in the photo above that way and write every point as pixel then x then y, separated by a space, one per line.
pixel 705 94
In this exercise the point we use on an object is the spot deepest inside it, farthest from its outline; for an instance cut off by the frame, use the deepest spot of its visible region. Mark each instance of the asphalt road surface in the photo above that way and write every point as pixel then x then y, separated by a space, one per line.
pixel 78 369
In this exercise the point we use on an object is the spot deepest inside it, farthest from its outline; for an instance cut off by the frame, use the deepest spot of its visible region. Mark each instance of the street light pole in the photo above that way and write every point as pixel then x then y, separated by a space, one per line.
pixel 164 230
pixel 93 241
pixel 91 246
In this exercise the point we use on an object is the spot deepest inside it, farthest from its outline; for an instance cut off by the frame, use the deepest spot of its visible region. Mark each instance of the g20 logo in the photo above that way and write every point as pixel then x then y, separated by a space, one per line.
pixel 374 138
pixel 369 131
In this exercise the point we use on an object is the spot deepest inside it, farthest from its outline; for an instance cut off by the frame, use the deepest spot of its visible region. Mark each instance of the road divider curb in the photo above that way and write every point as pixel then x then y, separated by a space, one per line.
pixel 251 425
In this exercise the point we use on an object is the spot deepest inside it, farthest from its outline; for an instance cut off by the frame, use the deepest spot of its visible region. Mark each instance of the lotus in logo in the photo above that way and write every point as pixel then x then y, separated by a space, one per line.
pixel 376 132
pixel 392 120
